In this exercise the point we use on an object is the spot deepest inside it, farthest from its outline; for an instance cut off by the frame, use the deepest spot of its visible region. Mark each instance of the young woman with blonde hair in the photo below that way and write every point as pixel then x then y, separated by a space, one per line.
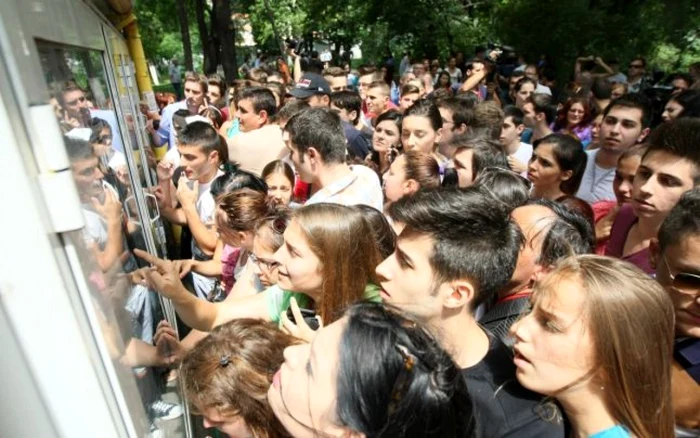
pixel 599 340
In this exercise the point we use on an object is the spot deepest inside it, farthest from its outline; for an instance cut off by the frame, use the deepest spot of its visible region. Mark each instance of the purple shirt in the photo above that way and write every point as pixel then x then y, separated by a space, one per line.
pixel 618 235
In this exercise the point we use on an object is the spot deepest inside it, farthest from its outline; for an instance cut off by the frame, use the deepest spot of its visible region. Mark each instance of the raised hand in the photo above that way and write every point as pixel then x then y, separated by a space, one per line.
pixel 111 209
pixel 301 329
pixel 165 170
pixel 163 276
pixel 186 195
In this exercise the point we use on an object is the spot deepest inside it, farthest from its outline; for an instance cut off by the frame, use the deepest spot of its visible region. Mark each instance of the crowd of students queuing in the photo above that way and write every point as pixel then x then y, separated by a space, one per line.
pixel 451 260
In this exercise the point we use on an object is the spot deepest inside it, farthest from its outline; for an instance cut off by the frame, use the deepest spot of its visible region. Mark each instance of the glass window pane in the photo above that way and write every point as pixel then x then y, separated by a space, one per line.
pixel 127 311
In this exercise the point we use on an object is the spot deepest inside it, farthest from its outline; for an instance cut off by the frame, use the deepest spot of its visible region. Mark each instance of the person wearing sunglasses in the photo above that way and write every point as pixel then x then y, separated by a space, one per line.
pixel 676 255
pixel 635 74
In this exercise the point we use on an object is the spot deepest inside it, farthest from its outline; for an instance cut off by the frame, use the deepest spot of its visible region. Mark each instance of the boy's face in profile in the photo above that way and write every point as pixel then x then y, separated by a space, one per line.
pixel 196 164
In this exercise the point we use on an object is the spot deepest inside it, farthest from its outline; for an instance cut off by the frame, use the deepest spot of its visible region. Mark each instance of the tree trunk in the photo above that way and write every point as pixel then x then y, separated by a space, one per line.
pixel 209 64
pixel 185 31
pixel 227 38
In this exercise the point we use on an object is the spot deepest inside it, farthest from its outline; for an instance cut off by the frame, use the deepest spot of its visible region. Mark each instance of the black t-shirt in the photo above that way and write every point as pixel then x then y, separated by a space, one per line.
pixel 502 407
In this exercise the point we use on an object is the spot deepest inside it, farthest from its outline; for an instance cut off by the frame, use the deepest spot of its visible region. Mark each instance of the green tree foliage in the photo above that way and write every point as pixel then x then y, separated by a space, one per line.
pixel 666 31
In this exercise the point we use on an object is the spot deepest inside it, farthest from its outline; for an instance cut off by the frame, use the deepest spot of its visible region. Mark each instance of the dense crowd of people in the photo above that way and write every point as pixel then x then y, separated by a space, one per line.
pixel 467 251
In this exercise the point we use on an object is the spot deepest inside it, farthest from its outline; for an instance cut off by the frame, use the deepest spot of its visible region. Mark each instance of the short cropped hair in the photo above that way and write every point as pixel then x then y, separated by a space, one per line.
pixel 682 221
pixel 474 236
pixel 204 135
pixel 336 72
pixel 633 100
pixel 487 152
pixel 78 149
pixel 543 103
pixel 381 85
pixel 488 118
pixel 461 109
pixel 680 138
pixel 261 98
pixel 569 234
pixel 321 129
pixel 200 79
pixel 514 113
pixel 349 101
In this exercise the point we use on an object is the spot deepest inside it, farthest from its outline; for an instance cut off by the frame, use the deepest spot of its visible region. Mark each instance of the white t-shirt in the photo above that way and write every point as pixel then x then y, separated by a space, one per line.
pixel 543 89
pixel 523 154
pixel 455 76
pixel 205 206
pixel 597 182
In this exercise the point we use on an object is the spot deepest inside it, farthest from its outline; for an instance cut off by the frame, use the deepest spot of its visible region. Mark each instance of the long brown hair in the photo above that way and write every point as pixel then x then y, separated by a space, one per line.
pixel 242 209
pixel 631 320
pixel 341 238
pixel 231 371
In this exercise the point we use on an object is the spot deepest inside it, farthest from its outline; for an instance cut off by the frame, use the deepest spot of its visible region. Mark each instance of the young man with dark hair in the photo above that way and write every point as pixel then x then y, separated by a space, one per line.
pixel 552 232
pixel 474 154
pixel 456 250
pixel 602 92
pixel 314 89
pixel 539 113
pixel 669 168
pixel 457 115
pixel 636 80
pixel 196 86
pixel 676 256
pixel 202 152
pixel 318 150
pixel 348 105
pixel 260 142
pixel 625 123
pixel 377 99
pixel 518 152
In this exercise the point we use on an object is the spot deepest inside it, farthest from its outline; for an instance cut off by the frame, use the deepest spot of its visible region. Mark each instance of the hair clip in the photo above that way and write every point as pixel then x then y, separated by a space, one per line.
pixel 408 359
pixel 225 360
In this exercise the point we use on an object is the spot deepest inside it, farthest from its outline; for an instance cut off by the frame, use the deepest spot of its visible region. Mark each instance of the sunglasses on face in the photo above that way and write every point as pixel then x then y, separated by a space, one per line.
pixel 75 101
pixel 683 282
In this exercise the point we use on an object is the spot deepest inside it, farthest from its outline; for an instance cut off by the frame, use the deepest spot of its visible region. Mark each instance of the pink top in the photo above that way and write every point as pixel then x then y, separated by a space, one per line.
pixel 618 235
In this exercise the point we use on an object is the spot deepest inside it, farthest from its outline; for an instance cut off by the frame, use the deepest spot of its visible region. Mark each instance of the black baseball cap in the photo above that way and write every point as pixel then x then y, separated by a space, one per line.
pixel 310 84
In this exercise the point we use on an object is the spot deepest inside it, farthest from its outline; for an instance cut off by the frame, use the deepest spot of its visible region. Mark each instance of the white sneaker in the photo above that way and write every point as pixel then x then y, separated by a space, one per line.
pixel 154 432
pixel 165 411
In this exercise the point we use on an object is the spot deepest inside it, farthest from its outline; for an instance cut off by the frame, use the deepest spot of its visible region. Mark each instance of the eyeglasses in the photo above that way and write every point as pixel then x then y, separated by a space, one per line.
pixel 525 181
pixel 683 282
pixel 268 264
pixel 636 66
pixel 75 101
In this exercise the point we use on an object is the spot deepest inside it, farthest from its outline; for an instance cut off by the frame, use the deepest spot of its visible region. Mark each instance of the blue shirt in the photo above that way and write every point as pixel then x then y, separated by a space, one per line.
pixel 166 132
pixel 617 431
